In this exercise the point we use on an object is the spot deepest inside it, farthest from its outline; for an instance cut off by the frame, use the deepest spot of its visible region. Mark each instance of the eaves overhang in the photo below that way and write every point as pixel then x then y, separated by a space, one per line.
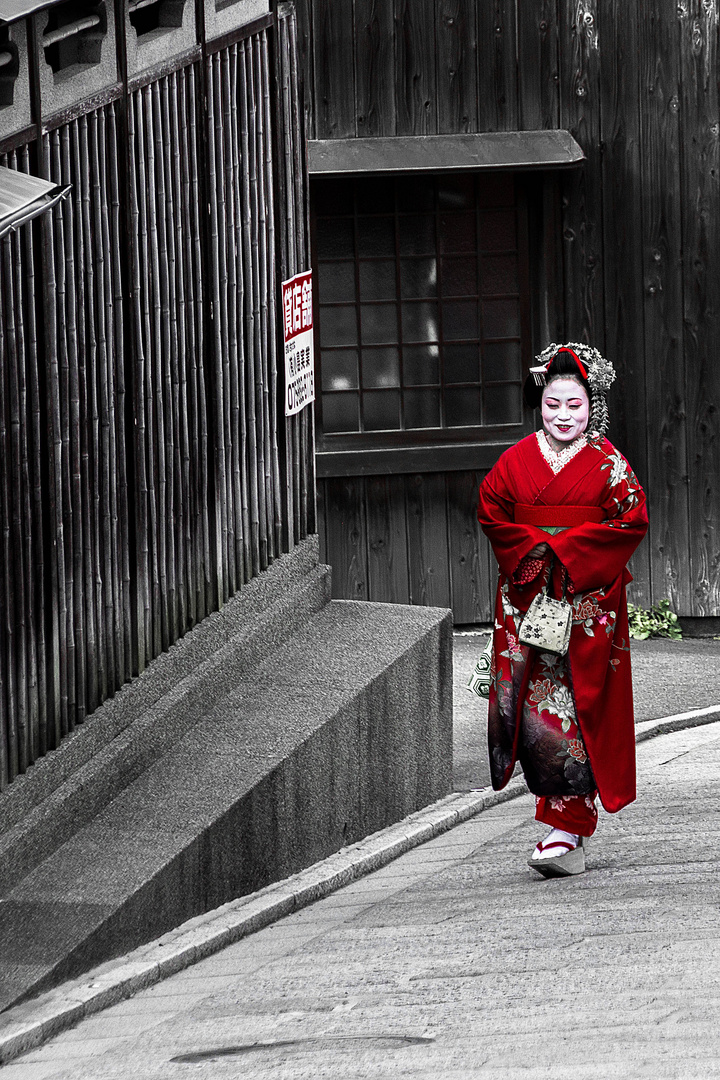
pixel 516 150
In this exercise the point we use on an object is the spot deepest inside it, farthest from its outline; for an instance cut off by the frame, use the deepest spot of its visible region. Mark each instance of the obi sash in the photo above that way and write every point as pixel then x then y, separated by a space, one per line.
pixel 556 517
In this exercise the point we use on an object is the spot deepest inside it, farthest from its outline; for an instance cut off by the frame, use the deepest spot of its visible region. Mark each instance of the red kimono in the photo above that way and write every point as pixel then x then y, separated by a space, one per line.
pixel 569 720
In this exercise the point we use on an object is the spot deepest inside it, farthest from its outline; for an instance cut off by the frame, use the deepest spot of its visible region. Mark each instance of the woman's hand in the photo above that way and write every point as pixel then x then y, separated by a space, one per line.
pixel 538 552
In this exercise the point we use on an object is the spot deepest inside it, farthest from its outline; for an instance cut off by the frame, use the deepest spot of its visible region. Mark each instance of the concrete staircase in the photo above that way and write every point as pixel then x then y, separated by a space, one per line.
pixel 279 730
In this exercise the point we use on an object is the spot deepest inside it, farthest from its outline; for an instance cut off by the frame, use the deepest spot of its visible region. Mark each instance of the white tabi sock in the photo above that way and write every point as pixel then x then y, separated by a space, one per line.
pixel 556 835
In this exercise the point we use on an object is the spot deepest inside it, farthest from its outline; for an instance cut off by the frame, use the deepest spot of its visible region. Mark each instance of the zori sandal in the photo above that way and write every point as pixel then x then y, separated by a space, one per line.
pixel 566 864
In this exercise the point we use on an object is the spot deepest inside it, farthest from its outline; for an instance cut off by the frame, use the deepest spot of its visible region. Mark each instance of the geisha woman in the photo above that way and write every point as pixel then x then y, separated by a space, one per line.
pixel 564 511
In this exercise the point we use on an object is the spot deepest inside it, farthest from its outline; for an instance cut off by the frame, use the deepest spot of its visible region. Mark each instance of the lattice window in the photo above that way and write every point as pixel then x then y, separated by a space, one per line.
pixel 420 304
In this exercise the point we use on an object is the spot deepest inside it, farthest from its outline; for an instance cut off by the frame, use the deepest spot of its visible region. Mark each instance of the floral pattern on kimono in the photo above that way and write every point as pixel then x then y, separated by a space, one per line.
pixel 551 748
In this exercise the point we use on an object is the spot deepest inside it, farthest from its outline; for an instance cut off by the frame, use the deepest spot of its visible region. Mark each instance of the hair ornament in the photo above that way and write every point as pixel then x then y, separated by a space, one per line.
pixel 600 377
pixel 539 374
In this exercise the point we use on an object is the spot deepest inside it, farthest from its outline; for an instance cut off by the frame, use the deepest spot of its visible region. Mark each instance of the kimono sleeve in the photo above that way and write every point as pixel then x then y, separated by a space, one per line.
pixel 510 541
pixel 595 554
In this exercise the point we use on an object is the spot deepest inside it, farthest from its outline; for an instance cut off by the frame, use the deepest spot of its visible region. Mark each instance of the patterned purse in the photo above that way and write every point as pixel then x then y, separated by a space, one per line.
pixel 547 624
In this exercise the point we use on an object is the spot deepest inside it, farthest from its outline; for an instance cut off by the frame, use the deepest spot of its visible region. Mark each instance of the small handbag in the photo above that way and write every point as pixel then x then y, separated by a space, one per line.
pixel 547 624
pixel 479 681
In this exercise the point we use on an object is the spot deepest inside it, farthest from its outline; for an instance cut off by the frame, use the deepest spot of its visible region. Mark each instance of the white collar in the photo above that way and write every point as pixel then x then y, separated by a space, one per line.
pixel 558 459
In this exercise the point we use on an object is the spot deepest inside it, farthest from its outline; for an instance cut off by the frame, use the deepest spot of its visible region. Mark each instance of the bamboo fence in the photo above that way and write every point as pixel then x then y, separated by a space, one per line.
pixel 147 471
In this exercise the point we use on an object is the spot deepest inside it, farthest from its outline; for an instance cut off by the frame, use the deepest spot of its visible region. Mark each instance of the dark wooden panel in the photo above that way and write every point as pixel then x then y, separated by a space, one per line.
pixel 541 195
pixel 306 59
pixel 424 544
pixel 539 105
pixel 346 537
pixel 455 36
pixel 662 263
pixel 553 261
pixel 622 241
pixel 580 113
pixel 334 64
pixel 469 551
pixel 701 243
pixel 320 502
pixel 428 540
pixel 387 540
pixel 374 48
pixel 497 65
pixel 415 68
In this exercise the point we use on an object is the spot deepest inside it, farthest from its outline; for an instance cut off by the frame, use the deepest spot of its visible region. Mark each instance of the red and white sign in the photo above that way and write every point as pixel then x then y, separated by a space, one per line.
pixel 299 355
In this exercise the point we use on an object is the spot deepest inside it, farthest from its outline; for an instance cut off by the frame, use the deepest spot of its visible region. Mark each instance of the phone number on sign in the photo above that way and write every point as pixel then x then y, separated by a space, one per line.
pixel 300 391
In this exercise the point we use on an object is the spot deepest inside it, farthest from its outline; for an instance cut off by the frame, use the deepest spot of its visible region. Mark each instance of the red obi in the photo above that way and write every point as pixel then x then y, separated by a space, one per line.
pixel 558 517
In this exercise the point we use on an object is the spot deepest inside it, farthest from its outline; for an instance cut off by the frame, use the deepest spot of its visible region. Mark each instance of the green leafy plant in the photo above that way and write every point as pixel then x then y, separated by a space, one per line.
pixel 658 621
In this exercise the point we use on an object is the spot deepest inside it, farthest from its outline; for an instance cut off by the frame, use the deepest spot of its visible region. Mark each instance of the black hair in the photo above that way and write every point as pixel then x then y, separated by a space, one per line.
pixel 563 364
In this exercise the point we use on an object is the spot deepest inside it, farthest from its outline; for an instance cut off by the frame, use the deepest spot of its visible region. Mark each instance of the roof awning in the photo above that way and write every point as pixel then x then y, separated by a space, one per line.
pixel 555 149
pixel 23 197
pixel 12 10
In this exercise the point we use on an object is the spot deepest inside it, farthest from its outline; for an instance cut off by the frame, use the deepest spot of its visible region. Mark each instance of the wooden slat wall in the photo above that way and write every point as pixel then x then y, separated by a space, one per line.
pixel 662 222
pixel 387 546
pixel 146 468
pixel 623 249
pixel 375 86
pixel 539 61
pixel 636 83
pixel 699 111
pixel 582 190
pixel 455 37
pixel 416 99
pixel 334 67
pixel 412 538
pixel 497 65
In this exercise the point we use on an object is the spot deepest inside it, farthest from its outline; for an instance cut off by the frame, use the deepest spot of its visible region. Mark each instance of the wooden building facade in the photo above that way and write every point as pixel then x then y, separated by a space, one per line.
pixel 437 282
pixel 147 469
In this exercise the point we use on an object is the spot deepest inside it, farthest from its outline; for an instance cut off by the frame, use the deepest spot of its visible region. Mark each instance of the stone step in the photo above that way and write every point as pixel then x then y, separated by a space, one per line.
pixel 147 717
pixel 342 730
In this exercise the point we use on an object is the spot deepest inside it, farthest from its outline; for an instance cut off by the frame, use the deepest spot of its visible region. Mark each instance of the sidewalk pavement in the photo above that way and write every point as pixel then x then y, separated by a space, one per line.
pixel 456 960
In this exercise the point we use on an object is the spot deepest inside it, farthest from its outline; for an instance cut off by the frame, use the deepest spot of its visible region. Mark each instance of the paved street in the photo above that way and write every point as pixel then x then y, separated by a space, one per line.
pixel 457 961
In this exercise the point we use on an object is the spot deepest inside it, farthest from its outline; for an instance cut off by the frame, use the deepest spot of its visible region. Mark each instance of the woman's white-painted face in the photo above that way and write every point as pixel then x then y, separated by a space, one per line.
pixel 565 409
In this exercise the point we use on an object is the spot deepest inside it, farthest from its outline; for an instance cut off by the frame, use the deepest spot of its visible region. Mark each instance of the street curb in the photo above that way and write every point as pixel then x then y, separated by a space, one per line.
pixel 28 1025
pixel 648 729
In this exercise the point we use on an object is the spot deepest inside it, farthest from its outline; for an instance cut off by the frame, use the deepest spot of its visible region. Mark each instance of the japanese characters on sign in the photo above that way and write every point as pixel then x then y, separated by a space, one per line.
pixel 298 327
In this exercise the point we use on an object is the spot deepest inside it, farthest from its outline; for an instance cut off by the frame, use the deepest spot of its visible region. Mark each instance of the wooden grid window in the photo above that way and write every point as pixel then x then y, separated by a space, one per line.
pixel 420 306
